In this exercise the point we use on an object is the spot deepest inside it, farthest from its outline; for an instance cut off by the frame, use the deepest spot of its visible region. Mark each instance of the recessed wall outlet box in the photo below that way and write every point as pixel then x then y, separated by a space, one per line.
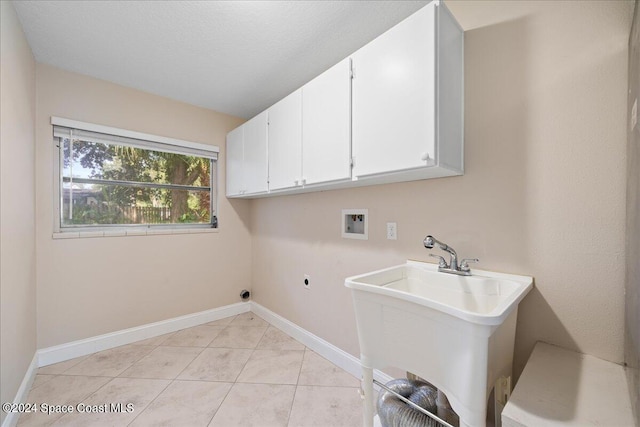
pixel 355 224
pixel 392 231
pixel 502 392
pixel 307 281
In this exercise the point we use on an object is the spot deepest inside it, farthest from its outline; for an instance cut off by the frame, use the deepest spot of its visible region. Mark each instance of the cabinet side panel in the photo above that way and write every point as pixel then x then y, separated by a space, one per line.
pixel 285 142
pixel 450 87
pixel 255 154
pixel 326 125
pixel 234 169
pixel 394 97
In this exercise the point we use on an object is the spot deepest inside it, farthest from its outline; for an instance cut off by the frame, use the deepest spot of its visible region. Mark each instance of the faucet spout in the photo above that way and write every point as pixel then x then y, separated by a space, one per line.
pixel 430 242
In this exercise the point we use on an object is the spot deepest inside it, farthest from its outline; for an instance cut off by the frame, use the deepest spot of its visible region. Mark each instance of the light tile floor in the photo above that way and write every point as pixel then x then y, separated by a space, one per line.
pixel 238 371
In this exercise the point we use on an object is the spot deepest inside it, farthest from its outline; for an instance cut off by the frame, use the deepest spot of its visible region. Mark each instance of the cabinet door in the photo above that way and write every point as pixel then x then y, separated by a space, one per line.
pixel 234 167
pixel 255 154
pixel 285 142
pixel 394 98
pixel 326 125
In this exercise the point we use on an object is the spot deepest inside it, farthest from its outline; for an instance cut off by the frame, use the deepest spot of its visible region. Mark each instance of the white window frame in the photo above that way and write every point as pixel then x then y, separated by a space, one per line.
pixel 143 141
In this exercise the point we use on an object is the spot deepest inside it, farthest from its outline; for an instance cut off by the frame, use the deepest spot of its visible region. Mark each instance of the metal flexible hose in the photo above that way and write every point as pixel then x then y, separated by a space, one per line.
pixel 395 413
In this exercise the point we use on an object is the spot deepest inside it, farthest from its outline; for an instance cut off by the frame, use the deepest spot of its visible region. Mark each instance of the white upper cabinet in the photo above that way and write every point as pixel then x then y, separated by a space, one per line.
pixel 391 112
pixel 326 126
pixel 407 96
pixel 247 158
pixel 285 142
pixel 235 159
pixel 255 154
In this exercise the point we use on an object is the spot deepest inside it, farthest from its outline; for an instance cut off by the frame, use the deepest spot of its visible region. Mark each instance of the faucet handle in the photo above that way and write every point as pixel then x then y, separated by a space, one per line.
pixel 464 265
pixel 442 263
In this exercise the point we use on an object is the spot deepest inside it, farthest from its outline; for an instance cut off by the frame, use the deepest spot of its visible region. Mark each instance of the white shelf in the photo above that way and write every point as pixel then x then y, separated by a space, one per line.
pixel 559 387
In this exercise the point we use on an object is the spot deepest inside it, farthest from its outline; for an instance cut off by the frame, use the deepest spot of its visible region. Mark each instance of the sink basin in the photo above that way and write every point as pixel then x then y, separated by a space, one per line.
pixel 485 298
pixel 457 332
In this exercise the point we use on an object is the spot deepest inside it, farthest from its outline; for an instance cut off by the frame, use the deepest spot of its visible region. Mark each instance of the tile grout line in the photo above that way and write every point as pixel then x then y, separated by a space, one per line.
pixel 53 377
pixel 235 381
pixel 295 391
pixel 88 396
pixel 72 403
pixel 72 366
pixel 194 359
pixel 148 404
pixel 82 400
pixel 253 350
pixel 202 349
pixel 152 400
pixel 220 405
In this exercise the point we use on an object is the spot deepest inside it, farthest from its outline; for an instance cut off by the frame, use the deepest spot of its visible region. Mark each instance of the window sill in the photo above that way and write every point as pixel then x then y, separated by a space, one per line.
pixel 125 233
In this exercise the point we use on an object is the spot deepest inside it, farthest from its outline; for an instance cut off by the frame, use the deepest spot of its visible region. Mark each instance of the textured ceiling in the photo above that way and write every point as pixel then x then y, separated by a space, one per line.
pixel 237 57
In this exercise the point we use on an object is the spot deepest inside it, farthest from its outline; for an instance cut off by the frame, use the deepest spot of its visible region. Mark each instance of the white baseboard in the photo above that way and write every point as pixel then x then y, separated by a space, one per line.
pixel 325 349
pixel 60 353
pixel 23 392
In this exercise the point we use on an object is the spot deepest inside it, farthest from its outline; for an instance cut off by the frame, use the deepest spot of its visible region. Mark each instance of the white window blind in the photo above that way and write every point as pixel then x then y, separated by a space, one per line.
pixel 64 128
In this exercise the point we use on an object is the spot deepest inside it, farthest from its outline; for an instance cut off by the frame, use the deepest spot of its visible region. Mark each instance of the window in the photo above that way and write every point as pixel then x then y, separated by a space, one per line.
pixel 117 178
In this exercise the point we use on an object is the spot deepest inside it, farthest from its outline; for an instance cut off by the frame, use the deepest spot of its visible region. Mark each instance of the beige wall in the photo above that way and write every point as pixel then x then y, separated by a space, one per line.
pixel 17 227
pixel 632 282
pixel 92 286
pixel 543 193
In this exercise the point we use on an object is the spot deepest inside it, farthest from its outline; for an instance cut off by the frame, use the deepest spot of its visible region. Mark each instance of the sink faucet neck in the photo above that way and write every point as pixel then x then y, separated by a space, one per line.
pixel 453 267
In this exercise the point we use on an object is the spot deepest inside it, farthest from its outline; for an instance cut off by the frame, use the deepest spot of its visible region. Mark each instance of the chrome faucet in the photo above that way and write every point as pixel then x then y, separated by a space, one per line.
pixel 452 267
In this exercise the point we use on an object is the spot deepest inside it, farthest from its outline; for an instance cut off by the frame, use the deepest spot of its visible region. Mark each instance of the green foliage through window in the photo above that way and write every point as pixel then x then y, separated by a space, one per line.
pixel 111 184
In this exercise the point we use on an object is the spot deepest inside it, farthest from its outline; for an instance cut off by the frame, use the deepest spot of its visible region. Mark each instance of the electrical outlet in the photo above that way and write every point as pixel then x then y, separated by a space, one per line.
pixel 503 390
pixel 392 231
pixel 307 281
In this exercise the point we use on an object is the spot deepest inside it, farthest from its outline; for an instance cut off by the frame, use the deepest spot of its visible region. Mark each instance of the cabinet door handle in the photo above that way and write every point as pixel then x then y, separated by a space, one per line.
pixel 295 182
pixel 425 157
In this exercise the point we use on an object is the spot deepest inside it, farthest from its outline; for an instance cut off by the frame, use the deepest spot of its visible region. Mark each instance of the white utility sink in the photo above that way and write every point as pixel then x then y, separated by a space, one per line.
pixel 457 332
pixel 485 298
